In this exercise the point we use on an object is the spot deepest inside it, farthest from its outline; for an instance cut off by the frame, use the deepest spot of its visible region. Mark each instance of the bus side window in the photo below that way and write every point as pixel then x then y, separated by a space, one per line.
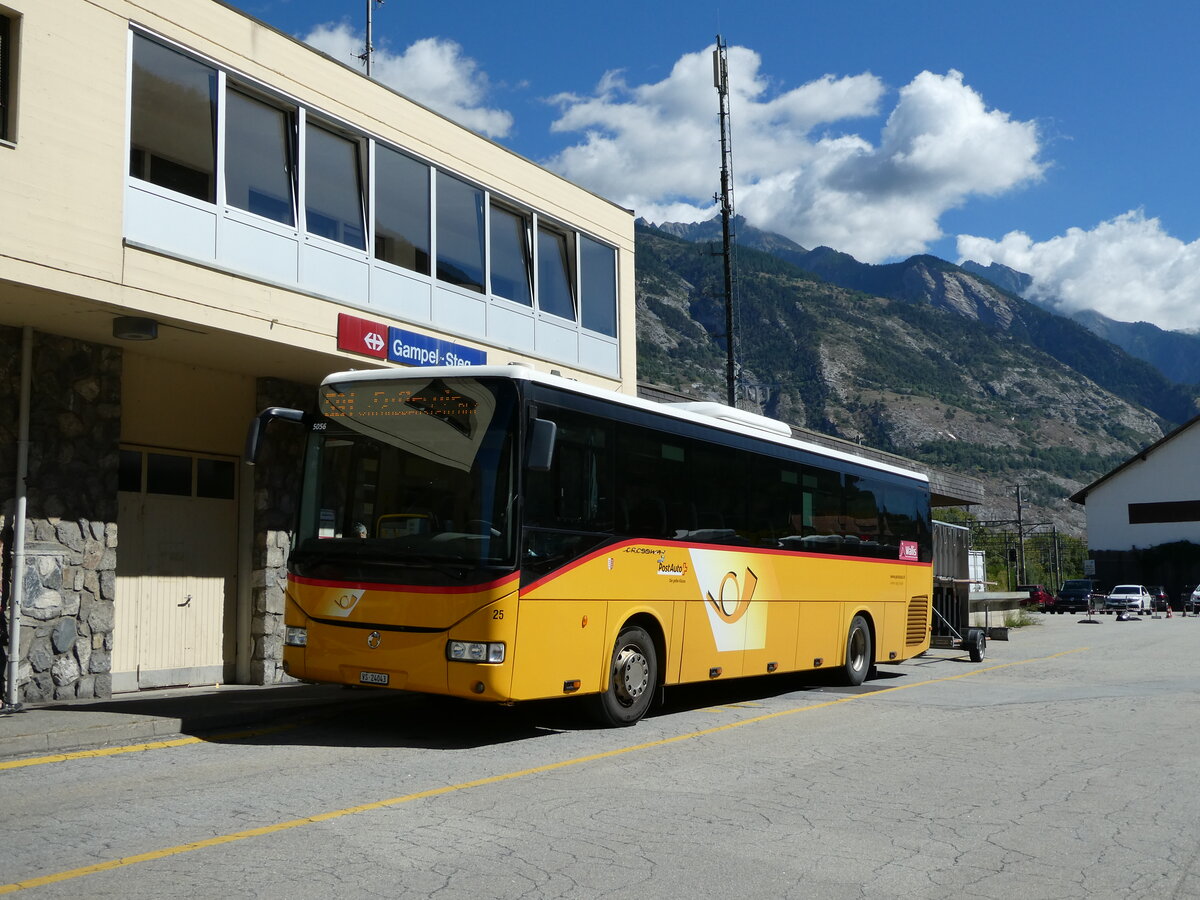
pixel 576 492
pixel 862 509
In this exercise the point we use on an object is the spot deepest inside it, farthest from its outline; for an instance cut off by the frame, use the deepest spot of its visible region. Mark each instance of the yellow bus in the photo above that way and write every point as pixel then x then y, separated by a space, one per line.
pixel 497 533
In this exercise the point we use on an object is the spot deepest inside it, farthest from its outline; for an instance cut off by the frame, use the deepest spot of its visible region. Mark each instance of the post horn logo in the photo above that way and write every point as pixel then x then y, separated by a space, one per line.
pixel 731 603
pixel 374 639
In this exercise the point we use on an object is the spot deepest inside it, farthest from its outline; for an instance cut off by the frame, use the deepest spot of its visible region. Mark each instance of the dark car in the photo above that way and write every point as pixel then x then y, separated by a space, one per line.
pixel 1038 595
pixel 1075 595
pixel 1158 597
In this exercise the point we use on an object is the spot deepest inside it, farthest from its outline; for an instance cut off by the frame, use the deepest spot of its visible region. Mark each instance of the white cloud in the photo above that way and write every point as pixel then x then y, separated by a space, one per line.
pixel 1127 268
pixel 654 148
pixel 432 71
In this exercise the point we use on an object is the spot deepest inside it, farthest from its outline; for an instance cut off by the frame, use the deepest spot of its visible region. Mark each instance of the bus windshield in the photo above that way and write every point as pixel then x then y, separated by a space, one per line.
pixel 405 477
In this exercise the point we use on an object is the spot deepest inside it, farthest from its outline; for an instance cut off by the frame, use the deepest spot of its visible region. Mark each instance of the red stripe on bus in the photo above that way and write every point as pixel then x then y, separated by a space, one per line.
pixel 613 549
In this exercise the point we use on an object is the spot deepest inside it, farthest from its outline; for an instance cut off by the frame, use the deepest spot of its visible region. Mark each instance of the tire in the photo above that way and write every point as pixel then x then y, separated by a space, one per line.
pixel 633 679
pixel 978 645
pixel 860 656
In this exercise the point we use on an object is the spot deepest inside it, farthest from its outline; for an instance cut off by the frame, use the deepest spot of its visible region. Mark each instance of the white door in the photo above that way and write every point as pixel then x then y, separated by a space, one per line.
pixel 176 571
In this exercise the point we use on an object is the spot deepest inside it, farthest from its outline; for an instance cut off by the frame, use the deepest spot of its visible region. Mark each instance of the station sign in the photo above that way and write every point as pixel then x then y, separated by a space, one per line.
pixel 415 349
pixel 363 336
pixel 370 338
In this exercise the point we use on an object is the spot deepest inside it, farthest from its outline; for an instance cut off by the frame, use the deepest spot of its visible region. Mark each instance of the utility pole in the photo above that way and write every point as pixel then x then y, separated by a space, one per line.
pixel 721 81
pixel 1020 542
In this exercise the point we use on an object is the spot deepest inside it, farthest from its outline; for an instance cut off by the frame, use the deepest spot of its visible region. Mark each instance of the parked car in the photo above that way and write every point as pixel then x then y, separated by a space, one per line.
pixel 1038 595
pixel 1075 595
pixel 1159 599
pixel 1128 598
pixel 1191 603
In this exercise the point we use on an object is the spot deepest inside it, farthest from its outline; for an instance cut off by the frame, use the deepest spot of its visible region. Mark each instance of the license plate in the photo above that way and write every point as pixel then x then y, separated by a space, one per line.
pixel 372 678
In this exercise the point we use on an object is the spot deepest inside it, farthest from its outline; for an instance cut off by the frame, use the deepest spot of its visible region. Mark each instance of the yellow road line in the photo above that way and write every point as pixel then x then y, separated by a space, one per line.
pixel 139 748
pixel 478 782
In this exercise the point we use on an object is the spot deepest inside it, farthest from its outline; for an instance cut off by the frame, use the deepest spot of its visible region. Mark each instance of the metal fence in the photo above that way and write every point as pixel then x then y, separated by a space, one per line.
pixel 1034 554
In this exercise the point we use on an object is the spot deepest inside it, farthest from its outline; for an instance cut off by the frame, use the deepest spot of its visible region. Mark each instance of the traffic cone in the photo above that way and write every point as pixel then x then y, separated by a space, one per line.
pixel 1169 611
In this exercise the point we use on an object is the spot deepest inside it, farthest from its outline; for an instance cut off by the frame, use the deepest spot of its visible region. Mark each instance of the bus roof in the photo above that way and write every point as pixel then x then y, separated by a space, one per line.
pixel 708 413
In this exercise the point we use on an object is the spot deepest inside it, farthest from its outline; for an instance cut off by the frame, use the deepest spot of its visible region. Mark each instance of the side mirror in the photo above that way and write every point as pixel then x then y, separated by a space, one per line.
pixel 259 427
pixel 539 452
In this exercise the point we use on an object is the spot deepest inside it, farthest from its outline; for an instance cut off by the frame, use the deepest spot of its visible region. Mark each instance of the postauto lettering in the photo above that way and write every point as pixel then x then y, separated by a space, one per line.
pixel 422 350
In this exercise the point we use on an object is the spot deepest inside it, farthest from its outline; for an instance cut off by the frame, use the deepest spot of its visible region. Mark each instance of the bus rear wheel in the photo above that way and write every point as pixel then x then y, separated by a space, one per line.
pixel 859 655
pixel 633 677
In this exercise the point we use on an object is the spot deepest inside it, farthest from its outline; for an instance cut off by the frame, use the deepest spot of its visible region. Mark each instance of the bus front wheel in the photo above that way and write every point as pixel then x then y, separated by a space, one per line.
pixel 859 654
pixel 633 677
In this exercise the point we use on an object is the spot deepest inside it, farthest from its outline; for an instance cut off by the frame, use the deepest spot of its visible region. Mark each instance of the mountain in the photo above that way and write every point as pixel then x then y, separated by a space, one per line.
pixel 1174 353
pixel 920 358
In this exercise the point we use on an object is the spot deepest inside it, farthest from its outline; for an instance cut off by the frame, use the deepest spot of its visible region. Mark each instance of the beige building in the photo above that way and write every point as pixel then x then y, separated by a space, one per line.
pixel 200 217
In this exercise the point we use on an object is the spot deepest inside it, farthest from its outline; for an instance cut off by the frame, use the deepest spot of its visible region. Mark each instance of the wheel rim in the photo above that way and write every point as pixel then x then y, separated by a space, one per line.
pixel 631 675
pixel 857 651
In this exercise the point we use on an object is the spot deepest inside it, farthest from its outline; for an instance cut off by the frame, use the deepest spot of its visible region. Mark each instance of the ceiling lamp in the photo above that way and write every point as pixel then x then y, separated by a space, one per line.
pixel 135 328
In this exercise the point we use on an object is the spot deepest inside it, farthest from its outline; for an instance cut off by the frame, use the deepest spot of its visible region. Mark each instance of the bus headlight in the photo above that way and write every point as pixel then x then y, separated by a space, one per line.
pixel 474 651
pixel 295 637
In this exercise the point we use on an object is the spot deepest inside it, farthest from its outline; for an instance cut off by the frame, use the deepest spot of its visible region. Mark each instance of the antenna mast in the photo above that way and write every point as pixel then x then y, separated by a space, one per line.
pixel 721 81
pixel 369 52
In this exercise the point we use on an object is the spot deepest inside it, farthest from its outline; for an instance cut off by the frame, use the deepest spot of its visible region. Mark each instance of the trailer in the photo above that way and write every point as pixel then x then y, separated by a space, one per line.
pixel 951 627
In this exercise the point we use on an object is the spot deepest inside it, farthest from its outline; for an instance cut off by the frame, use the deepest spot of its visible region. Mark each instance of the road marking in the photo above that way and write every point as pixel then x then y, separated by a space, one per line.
pixel 166 852
pixel 150 745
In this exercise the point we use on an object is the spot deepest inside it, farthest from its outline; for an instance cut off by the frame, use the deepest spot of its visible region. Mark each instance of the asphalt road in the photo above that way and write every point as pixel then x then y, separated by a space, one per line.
pixel 1064 765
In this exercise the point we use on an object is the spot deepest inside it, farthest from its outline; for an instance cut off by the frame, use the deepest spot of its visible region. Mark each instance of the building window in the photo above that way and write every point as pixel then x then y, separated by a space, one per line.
pixel 173 134
pixel 333 195
pixel 181 475
pixel 8 76
pixel 510 256
pixel 1170 511
pixel 554 275
pixel 401 210
pixel 259 172
pixel 459 233
pixel 598 286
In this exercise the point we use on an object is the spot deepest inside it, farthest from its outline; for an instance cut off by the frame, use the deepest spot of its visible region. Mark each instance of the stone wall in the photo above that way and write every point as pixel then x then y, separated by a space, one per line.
pixel 69 582
pixel 276 495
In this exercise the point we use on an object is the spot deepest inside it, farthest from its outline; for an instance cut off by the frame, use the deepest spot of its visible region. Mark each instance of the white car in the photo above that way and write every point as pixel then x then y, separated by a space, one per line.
pixel 1131 597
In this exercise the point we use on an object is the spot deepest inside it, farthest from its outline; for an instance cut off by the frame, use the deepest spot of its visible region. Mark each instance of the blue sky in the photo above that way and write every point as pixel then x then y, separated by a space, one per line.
pixel 1059 138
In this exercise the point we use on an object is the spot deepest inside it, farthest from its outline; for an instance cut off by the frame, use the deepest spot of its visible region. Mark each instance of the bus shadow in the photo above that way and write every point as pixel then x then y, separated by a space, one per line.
pixel 689 697
pixel 416 721
pixel 402 721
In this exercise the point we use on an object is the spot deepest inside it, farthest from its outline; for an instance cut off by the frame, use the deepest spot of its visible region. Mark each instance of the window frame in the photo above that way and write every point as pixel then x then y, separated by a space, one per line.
pixel 360 175
pixel 442 176
pixel 570 262
pixel 198 484
pixel 373 198
pixel 215 104
pixel 10 57
pixel 585 302
pixel 524 218
pixel 291 113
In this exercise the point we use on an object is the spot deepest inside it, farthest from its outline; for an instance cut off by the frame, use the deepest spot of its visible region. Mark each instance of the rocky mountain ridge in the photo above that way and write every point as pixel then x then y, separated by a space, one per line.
pixel 919 358
pixel 1174 353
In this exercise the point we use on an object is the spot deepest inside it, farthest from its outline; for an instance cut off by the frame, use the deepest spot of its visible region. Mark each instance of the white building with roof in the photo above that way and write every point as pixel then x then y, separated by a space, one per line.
pixel 1143 515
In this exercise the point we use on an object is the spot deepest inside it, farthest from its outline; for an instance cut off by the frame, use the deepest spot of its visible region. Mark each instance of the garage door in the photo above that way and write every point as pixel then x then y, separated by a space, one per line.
pixel 176 570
